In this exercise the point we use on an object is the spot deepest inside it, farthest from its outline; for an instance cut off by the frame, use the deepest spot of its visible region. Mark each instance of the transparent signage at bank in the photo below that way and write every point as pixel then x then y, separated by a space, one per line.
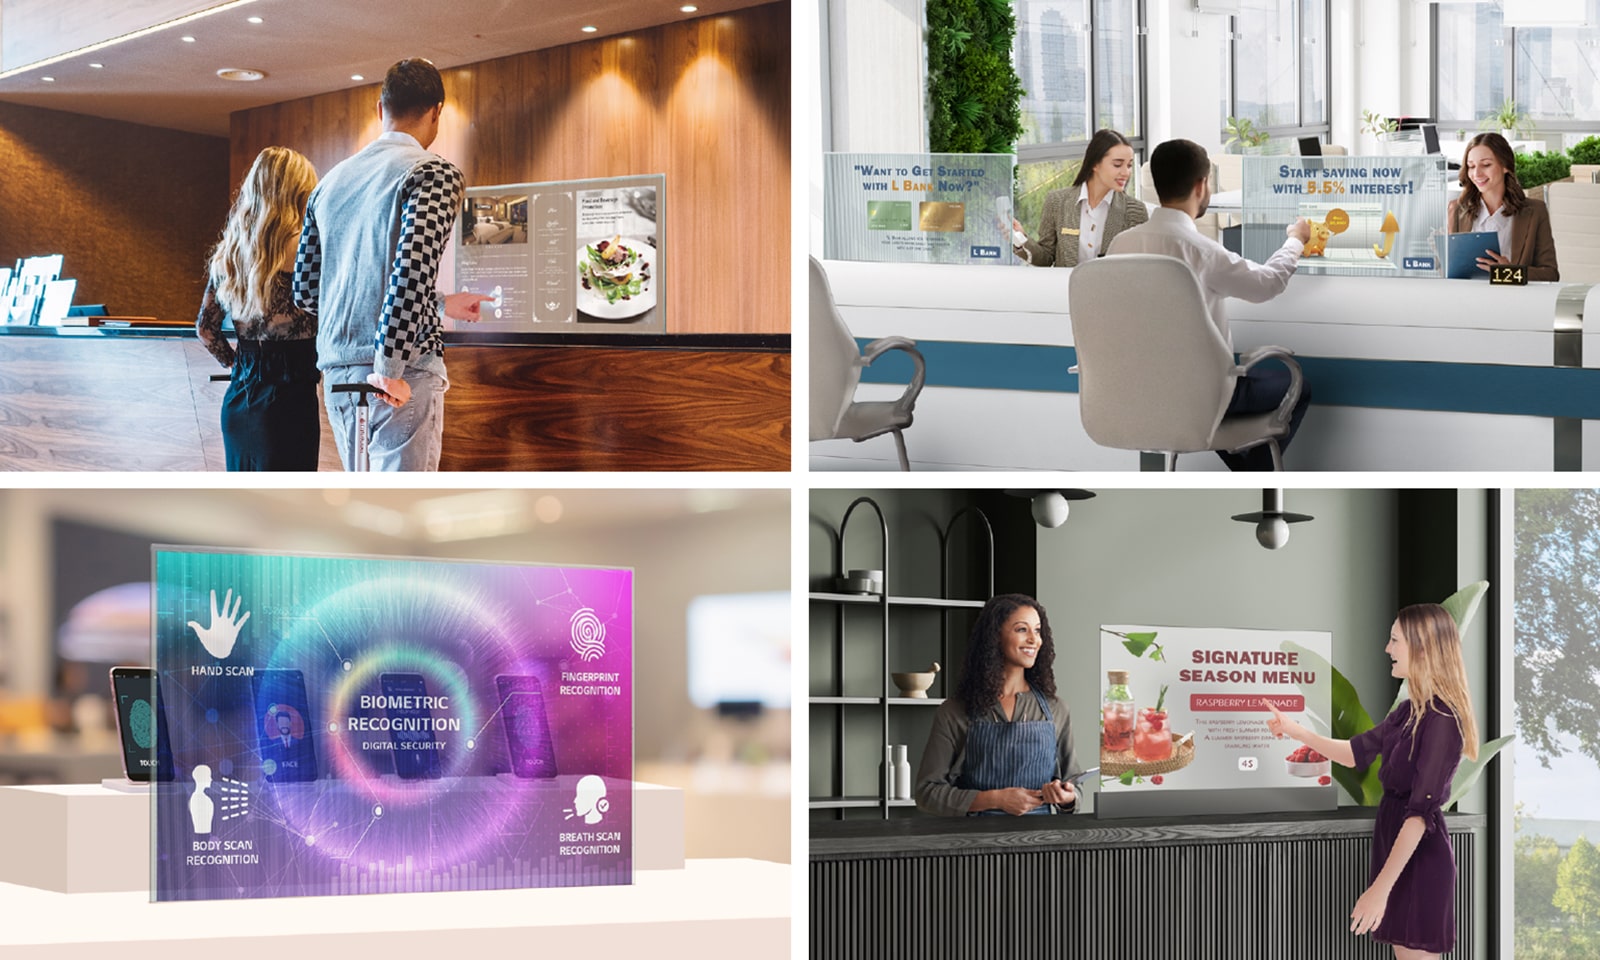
pixel 367 724
pixel 918 207
pixel 1370 216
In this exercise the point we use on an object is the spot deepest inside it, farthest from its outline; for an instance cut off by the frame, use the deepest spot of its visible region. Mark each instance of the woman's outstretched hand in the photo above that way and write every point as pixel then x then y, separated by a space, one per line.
pixel 1368 911
pixel 1276 724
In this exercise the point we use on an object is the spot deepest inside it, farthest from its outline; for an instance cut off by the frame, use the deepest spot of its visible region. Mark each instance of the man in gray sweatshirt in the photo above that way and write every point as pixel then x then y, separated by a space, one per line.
pixel 368 266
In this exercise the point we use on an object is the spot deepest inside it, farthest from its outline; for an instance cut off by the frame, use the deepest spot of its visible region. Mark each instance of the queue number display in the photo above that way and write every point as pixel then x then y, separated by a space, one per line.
pixel 1509 275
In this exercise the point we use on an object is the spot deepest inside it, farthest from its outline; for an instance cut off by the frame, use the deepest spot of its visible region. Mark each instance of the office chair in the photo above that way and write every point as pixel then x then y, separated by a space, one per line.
pixel 1154 373
pixel 836 365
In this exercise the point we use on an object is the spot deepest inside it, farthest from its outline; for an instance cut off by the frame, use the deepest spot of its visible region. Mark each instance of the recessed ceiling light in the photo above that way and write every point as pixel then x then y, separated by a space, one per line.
pixel 252 19
pixel 97 66
pixel 590 29
pixel 187 39
pixel 241 74
pixel 48 79
pixel 688 8
pixel 357 76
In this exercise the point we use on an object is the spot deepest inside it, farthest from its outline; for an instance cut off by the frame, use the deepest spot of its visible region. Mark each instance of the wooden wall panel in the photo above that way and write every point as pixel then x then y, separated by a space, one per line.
pixel 704 101
pixel 133 209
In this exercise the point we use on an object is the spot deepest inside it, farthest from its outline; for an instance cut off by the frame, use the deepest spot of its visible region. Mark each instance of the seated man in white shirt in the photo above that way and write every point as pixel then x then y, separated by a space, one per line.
pixel 1182 175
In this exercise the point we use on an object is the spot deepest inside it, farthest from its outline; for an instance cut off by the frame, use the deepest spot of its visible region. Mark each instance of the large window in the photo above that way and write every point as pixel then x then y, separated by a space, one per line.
pixel 1082 68
pixel 1279 67
pixel 1552 73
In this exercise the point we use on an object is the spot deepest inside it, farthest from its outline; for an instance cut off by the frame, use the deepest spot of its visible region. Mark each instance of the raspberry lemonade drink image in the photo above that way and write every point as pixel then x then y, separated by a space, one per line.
pixel 1152 738
pixel 1116 714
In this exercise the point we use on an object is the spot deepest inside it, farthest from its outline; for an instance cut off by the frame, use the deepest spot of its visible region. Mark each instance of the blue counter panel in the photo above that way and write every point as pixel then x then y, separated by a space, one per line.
pixel 1335 381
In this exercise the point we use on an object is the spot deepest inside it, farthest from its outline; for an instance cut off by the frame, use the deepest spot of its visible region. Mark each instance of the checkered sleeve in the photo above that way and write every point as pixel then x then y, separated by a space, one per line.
pixel 308 265
pixel 409 326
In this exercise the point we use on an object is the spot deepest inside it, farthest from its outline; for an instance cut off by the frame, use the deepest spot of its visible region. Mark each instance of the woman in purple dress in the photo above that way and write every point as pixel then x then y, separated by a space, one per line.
pixel 1409 901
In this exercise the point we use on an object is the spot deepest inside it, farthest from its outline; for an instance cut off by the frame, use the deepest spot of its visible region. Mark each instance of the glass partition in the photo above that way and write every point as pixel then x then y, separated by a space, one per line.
pixel 918 207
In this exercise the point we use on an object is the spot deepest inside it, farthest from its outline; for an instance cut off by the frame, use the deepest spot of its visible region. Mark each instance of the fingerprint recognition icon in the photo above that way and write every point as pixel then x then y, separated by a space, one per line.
pixel 142 724
pixel 588 635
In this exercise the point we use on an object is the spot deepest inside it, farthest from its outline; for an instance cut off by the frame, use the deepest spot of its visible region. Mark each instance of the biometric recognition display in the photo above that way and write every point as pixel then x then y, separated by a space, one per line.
pixel 361 725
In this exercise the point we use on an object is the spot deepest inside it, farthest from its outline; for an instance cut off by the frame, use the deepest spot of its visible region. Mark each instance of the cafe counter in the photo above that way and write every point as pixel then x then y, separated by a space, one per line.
pixel 132 398
pixel 1406 374
pixel 1262 887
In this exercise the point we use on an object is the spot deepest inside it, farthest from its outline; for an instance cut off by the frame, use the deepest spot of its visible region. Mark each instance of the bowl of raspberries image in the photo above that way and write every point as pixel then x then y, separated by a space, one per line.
pixel 1306 762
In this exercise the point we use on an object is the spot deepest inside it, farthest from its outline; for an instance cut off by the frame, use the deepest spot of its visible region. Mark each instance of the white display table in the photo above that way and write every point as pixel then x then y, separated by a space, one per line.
pixel 710 908
pixel 83 851
pixel 1406 374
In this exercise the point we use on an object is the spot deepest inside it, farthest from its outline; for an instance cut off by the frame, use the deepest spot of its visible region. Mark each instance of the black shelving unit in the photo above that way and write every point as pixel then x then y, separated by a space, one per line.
pixel 886 605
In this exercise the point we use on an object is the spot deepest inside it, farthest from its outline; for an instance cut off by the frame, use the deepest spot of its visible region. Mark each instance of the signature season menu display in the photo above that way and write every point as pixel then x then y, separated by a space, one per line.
pixel 1183 707
pixel 918 208
pixel 362 725
pixel 573 255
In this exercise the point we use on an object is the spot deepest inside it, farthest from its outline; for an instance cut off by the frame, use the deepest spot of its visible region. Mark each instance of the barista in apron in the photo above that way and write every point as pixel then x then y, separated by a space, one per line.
pixel 1014 753
pixel 1003 741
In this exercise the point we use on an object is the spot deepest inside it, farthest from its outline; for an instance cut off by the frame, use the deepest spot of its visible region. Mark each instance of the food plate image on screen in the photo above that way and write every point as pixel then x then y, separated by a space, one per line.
pixel 344 725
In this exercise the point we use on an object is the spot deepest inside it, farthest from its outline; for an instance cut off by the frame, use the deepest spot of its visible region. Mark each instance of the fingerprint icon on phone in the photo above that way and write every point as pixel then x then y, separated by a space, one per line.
pixel 588 635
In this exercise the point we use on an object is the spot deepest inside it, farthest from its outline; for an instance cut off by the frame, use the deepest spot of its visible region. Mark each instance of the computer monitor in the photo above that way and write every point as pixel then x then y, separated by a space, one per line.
pixel 1310 146
pixel 1430 139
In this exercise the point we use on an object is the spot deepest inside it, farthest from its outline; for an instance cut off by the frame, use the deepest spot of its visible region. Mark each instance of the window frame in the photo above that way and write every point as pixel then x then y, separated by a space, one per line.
pixel 1074 149
pixel 1322 127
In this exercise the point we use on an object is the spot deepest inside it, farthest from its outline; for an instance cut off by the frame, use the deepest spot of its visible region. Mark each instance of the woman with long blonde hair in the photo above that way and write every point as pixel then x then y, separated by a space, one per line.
pixel 270 419
pixel 1410 898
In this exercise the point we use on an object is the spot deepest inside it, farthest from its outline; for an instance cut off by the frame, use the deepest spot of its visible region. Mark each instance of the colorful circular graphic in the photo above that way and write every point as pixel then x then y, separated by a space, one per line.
pixel 588 635
pixel 271 728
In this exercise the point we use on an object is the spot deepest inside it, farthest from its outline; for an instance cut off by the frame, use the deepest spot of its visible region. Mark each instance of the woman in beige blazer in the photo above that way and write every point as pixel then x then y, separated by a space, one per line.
pixel 1490 196
pixel 1081 220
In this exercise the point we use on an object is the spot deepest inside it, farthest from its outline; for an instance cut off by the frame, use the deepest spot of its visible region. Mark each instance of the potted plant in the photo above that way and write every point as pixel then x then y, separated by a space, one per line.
pixel 1242 131
pixel 1510 121
pixel 1534 170
pixel 1585 155
pixel 1380 126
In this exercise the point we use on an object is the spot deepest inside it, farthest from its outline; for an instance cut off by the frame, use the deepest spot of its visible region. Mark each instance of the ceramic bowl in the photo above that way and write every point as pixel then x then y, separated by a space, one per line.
pixel 915 685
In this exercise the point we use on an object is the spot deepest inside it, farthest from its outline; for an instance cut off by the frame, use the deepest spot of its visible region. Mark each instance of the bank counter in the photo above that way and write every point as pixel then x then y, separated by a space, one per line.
pixel 1263 887
pixel 134 398
pixel 1406 374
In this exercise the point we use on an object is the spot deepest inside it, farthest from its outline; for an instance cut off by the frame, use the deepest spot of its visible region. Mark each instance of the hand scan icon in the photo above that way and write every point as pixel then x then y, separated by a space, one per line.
pixel 220 636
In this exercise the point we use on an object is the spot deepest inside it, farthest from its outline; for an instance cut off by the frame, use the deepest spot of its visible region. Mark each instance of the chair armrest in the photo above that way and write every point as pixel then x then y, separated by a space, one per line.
pixel 878 348
pixel 1296 377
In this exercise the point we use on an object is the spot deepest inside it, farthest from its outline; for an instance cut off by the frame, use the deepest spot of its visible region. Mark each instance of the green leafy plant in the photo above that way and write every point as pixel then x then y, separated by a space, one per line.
pixel 1351 719
pixel 1140 643
pixel 974 94
pixel 1508 117
pixel 1585 151
pixel 1536 169
pixel 1376 123
pixel 1243 131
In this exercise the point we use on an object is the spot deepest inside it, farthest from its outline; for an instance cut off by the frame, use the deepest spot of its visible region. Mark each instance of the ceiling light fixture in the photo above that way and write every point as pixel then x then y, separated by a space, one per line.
pixel 147 31
pixel 590 29
pixel 252 19
pixel 187 39
pixel 688 8
pixel 1049 507
pixel 1272 523
pixel 48 79
pixel 357 76
pixel 241 74
pixel 97 66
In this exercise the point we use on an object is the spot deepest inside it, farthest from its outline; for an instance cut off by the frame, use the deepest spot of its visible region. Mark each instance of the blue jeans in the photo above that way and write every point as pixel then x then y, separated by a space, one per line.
pixel 1260 391
pixel 399 438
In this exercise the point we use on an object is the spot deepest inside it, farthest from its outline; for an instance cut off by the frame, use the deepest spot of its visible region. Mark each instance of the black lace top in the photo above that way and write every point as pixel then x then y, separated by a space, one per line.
pixel 284 320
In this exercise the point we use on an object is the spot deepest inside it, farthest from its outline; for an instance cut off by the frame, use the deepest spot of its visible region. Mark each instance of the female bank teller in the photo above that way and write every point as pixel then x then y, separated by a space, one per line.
pixel 1492 200
pixel 1079 222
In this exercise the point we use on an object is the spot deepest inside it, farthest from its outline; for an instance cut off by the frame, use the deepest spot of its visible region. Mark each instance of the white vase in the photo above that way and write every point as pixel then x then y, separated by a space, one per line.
pixel 886 773
pixel 902 773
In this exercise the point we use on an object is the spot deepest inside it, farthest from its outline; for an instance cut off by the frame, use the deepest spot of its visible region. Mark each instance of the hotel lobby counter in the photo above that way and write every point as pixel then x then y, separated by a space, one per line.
pixel 1257 886
pixel 1406 374
pixel 109 398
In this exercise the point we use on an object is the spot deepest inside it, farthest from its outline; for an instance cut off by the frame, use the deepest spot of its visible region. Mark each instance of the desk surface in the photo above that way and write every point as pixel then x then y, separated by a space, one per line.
pixel 938 836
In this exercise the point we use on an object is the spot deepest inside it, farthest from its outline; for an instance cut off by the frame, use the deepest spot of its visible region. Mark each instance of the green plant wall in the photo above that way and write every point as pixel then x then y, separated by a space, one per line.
pixel 974 94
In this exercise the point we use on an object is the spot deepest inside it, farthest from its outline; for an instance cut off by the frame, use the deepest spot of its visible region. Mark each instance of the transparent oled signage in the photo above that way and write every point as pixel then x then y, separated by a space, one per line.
pixel 344 725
